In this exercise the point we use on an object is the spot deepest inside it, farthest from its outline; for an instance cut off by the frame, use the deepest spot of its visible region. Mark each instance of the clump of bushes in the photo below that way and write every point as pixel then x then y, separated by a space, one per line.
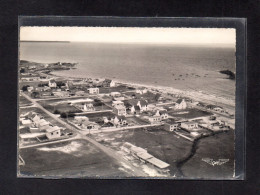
pixel 67 114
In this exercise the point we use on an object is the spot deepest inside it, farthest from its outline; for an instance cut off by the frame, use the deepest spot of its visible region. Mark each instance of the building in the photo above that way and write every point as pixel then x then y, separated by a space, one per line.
pixel 108 83
pixel 53 132
pixel 42 124
pixel 80 119
pixel 117 103
pixel 88 107
pixel 164 114
pixel 156 118
pixel 115 94
pixel 80 93
pixel 30 89
pixel 120 120
pixel 93 90
pixel 142 104
pixel 189 125
pixel 171 126
pixel 120 110
pixel 52 83
pixel 180 104
pixel 89 125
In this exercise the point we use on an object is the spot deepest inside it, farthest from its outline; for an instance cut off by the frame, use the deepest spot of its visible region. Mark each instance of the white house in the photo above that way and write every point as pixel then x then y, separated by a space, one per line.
pixel 52 83
pixel 155 118
pixel 120 120
pixel 80 119
pixel 171 126
pixel 30 89
pixel 53 132
pixel 180 104
pixel 189 125
pixel 115 94
pixel 143 105
pixel 164 114
pixel 93 90
pixel 42 124
pixel 112 84
pixel 88 107
pixel 120 110
pixel 117 103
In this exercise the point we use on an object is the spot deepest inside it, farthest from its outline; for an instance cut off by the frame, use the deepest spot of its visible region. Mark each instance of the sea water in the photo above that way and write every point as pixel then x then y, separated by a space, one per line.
pixel 184 67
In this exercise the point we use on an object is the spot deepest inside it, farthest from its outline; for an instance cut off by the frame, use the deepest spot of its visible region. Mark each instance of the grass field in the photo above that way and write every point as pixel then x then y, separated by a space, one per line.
pixel 189 113
pixel 76 158
pixel 23 101
pixel 120 88
pixel 159 143
pixel 220 146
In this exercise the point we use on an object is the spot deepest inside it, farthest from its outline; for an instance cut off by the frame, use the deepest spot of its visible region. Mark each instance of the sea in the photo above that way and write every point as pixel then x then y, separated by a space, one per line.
pixel 183 67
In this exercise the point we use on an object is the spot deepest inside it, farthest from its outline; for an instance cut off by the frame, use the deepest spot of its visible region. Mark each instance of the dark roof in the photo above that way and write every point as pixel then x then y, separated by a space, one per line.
pixel 179 101
pixel 133 102
pixel 143 103
pixel 137 107
pixel 163 111
pixel 121 117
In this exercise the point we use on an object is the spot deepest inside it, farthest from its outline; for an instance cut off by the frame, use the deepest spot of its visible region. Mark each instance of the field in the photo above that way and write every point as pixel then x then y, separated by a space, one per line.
pixel 76 158
pixel 189 113
pixel 59 107
pixel 120 88
pixel 136 121
pixel 159 143
pixel 23 101
pixel 220 146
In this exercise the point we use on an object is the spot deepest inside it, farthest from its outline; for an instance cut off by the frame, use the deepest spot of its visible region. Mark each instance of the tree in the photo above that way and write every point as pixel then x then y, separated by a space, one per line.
pixel 22 70
pixel 157 96
pixel 24 88
pixel 56 112
pixel 35 94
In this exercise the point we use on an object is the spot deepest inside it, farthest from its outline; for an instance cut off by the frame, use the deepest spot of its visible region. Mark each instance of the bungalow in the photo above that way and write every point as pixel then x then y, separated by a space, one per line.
pixel 164 114
pixel 142 104
pixel 120 110
pixel 135 109
pixel 80 93
pixel 53 132
pixel 46 88
pixel 118 103
pixel 171 126
pixel 26 122
pixel 141 91
pixel 114 94
pixel 88 107
pixel 30 89
pixel 119 98
pixel 42 124
pixel 120 120
pixel 180 104
pixel 35 118
pixel 108 83
pixel 156 118
pixel 93 90
pixel 189 125
pixel 52 83
pixel 80 119
pixel 89 125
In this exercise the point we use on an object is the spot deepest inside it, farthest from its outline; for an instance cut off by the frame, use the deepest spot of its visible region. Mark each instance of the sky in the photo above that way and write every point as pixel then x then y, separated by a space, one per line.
pixel 130 35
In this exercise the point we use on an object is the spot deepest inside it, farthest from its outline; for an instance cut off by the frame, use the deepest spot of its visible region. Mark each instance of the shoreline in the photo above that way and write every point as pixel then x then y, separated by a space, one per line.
pixel 229 104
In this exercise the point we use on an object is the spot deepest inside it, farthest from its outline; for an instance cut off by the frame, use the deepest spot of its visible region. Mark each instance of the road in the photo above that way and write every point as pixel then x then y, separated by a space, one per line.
pixel 133 170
